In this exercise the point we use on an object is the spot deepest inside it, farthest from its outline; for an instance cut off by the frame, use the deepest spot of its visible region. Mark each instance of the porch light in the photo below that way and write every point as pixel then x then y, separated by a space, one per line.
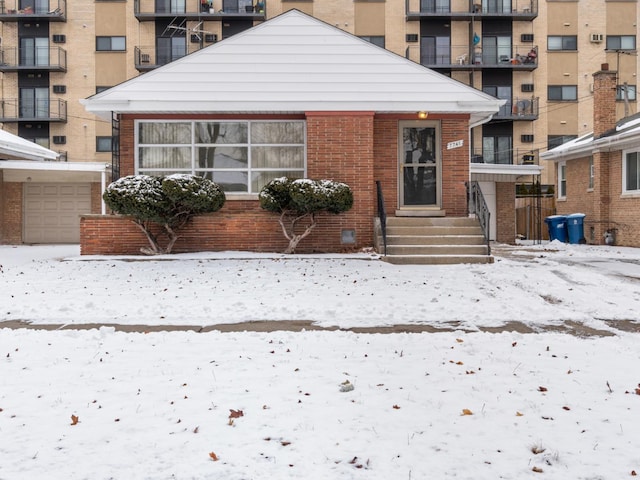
pixel 423 115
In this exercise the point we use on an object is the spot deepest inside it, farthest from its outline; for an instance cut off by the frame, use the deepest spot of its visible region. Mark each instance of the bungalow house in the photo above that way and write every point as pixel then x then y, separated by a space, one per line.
pixel 297 97
pixel 42 198
pixel 599 173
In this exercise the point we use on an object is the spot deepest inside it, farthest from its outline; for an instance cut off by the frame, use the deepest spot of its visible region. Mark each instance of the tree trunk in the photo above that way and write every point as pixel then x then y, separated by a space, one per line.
pixel 290 234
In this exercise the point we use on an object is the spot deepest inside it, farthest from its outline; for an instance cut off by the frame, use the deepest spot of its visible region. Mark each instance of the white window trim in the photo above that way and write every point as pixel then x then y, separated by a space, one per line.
pixel 624 174
pixel 228 195
pixel 562 166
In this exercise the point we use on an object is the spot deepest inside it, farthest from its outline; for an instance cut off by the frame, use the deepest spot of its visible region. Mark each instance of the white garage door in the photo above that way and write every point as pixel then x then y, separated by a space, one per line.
pixel 52 211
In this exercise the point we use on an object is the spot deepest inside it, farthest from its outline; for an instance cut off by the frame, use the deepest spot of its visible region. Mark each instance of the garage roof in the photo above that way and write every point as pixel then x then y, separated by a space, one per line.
pixel 12 147
pixel 293 63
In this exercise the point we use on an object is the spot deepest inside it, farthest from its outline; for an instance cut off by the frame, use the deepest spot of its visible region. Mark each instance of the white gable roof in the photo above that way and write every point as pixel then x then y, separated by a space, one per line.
pixel 12 147
pixel 293 63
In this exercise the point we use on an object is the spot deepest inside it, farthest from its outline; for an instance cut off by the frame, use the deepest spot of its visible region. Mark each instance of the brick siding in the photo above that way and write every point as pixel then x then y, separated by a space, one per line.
pixel 506 212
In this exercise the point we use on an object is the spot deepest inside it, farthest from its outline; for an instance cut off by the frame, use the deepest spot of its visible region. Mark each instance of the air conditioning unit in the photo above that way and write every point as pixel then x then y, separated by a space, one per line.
pixel 526 87
pixel 597 37
pixel 526 138
pixel 59 89
pixel 526 37
pixel 59 38
pixel 411 37
pixel 211 38
pixel 145 58
pixel 59 139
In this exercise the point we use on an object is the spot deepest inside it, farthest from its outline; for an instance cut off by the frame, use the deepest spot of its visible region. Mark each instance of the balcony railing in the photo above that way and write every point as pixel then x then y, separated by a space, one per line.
pixel 525 10
pixel 14 110
pixel 519 109
pixel 516 156
pixel 150 10
pixel 465 57
pixel 14 10
pixel 52 59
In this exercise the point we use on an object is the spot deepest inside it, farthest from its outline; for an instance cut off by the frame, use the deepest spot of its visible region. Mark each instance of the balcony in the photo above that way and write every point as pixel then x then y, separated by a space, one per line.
pixel 464 57
pixel 150 11
pixel 519 109
pixel 516 156
pixel 14 110
pixel 516 10
pixel 49 59
pixel 10 11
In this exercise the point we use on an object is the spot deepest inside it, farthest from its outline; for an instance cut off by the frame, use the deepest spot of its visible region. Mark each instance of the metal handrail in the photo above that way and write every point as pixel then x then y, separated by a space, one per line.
pixel 480 210
pixel 382 213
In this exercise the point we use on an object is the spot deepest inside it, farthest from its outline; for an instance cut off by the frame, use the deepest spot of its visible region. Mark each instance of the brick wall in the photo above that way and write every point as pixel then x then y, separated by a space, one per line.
pixel 356 148
pixel 12 213
pixel 506 212
pixel 455 166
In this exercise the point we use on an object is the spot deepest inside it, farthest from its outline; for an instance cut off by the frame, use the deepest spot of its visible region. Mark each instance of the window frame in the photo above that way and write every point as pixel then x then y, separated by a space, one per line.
pixel 562 180
pixel 631 90
pixel 568 43
pixel 111 39
pixel 104 138
pixel 563 93
pixel 251 147
pixel 625 171
pixel 621 39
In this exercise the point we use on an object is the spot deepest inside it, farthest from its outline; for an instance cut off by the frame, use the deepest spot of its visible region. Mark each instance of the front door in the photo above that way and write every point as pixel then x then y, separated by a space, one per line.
pixel 419 165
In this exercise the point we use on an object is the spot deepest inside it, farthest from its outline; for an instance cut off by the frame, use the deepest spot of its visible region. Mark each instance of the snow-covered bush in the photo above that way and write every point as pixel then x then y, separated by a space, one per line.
pixel 302 199
pixel 169 201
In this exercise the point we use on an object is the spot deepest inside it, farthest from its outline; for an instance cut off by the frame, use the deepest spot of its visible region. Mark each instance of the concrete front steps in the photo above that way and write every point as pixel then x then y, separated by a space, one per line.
pixel 434 241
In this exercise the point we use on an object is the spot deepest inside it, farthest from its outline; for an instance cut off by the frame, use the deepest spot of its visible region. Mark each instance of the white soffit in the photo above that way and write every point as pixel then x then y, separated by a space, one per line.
pixel 293 63
pixel 483 171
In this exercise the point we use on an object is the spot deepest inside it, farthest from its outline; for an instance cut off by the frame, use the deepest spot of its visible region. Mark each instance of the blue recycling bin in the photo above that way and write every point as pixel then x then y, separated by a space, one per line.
pixel 575 228
pixel 557 225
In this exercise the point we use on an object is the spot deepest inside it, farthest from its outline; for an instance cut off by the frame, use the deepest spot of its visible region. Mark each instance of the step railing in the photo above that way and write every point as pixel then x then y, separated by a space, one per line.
pixel 382 213
pixel 478 206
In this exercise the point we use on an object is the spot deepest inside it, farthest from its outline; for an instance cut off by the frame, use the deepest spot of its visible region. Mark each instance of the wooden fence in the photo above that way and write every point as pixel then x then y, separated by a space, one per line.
pixel 530 215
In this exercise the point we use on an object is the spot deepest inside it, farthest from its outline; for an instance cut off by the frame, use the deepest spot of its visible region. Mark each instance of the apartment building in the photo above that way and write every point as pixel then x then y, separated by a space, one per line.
pixel 538 55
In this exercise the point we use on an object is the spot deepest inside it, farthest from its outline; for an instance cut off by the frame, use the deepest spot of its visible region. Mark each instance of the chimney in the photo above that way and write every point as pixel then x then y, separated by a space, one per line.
pixel 604 100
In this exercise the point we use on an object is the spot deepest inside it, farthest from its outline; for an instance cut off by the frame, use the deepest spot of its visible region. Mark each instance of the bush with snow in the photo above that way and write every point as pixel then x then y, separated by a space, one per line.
pixel 169 201
pixel 300 200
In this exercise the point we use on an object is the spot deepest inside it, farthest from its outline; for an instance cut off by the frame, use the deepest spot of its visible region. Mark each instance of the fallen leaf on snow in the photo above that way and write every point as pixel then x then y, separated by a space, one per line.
pixel 542 389
pixel 396 407
pixel 518 414
pixel 235 413
pixel 213 456
pixel 466 411
pixel 537 469
pixel 74 420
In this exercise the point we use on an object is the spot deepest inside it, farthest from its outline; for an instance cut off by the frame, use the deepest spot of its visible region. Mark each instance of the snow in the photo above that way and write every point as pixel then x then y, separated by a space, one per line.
pixel 152 403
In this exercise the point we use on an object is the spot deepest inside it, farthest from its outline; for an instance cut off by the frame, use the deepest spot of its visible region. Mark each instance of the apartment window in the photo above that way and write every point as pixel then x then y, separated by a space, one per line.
pixel 170 49
pixel 103 144
pixel 435 50
pixel 631 172
pixel 554 141
pixel 34 102
pixel 496 49
pixel 101 88
pixel 170 6
pixel 562 42
pixel 34 51
pixel 562 180
pixel 631 92
pixel 497 149
pixel 240 156
pixel 621 42
pixel 562 93
pixel 591 173
pixel 111 44
pixel 503 93
pixel 375 39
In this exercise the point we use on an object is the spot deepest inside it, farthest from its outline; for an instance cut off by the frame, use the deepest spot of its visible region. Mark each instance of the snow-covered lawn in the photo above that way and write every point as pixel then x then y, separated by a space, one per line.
pixel 467 404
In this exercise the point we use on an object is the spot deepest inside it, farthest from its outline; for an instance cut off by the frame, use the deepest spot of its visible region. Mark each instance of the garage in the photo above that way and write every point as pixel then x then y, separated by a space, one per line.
pixel 52 211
